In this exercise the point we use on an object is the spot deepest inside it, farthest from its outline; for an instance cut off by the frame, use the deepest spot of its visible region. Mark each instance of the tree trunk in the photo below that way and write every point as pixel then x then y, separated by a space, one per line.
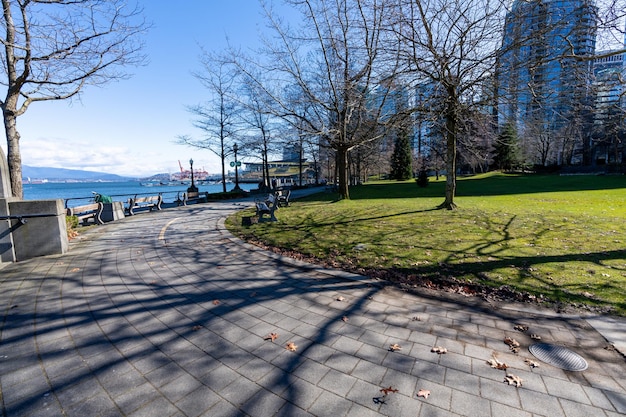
pixel 451 122
pixel 342 168
pixel 14 157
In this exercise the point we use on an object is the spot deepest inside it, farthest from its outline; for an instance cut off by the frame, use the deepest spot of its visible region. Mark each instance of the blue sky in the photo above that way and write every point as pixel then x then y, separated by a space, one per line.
pixel 129 127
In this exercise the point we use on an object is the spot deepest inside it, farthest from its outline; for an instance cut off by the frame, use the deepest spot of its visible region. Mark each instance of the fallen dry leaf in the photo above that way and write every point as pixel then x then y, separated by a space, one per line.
pixel 345 318
pixel 153 282
pixel 216 302
pixel 521 328
pixel 386 391
pixel 417 318
pixel 513 380
pixel 494 363
pixel 271 336
pixel 291 346
pixel 531 363
pixel 535 337
pixel 75 270
pixel 439 350
pixel 196 327
pixel 340 298
pixel 511 342
pixel 423 393
pixel 394 347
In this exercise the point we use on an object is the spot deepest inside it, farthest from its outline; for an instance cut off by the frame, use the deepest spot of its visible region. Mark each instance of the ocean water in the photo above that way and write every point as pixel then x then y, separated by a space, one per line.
pixel 78 193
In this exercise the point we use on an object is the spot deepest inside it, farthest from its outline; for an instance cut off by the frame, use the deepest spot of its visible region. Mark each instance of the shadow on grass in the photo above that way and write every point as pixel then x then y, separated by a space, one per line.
pixel 490 185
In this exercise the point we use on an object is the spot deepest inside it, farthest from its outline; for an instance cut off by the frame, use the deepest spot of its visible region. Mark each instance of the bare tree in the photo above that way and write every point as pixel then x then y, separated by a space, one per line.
pixel 451 44
pixel 333 60
pixel 219 117
pixel 54 48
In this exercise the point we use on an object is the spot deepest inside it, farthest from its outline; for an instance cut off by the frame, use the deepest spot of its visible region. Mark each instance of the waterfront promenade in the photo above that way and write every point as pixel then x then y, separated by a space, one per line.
pixel 167 314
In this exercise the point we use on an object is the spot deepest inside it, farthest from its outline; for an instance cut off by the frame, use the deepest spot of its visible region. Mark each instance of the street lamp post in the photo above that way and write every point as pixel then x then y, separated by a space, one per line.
pixel 192 188
pixel 235 149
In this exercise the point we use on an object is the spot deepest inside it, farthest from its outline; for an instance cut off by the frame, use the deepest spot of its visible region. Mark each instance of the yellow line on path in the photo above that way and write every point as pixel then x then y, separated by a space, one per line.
pixel 162 234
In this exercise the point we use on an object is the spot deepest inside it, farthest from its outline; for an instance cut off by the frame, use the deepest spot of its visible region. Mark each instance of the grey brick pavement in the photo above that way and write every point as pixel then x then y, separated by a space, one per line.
pixel 165 314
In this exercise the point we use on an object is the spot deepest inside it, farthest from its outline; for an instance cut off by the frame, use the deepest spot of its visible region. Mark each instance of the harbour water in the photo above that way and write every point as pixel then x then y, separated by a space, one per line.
pixel 78 193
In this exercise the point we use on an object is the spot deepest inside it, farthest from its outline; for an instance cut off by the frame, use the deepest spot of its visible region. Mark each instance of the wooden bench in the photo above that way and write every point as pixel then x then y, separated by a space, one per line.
pixel 150 202
pixel 197 197
pixel 267 207
pixel 86 212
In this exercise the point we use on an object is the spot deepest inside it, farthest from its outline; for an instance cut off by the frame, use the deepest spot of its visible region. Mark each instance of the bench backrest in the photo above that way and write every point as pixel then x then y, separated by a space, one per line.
pixel 87 208
pixel 150 199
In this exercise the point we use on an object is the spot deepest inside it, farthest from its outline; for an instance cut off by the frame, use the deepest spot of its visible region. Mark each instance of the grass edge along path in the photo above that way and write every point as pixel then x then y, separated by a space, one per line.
pixel 551 239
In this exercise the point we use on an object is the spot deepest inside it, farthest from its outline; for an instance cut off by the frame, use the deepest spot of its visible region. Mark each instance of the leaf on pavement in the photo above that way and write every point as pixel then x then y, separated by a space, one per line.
pixel 511 342
pixel 216 302
pixel 494 363
pixel 291 346
pixel 439 350
pixel 423 393
pixel 521 328
pixel 513 380
pixel 271 336
pixel 340 298
pixel 386 391
pixel 535 337
pixel 531 363
pixel 196 327
pixel 394 347
pixel 345 318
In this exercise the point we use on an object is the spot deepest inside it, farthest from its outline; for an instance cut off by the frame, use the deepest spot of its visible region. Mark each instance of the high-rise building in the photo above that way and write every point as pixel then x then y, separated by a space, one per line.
pixel 609 124
pixel 544 91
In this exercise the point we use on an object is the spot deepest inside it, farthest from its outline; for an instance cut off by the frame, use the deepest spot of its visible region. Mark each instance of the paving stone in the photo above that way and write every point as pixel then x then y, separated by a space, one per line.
pixel 576 409
pixel 342 362
pixel 499 391
pixel 401 381
pixel 565 389
pixel 301 392
pixel 180 387
pixel 158 407
pixel 539 403
pixel 311 371
pixel 366 394
pixel 262 404
pixel 329 404
pixel 498 409
pixel 369 372
pixel 467 404
pixel 358 410
pixel 618 400
pixel 337 382
pixel 197 402
pixel 597 398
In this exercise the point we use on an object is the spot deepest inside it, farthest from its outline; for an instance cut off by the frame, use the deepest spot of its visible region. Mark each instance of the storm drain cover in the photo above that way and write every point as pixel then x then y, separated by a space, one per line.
pixel 558 356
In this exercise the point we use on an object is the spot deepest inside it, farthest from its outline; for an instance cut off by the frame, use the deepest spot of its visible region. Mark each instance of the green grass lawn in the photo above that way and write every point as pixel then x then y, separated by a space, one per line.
pixel 562 238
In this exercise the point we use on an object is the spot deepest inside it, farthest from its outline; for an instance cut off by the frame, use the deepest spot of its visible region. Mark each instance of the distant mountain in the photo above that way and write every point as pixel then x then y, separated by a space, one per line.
pixel 52 174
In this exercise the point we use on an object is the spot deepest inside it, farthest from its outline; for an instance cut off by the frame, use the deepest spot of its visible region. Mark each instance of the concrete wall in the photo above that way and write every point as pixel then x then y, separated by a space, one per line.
pixel 7 254
pixel 45 230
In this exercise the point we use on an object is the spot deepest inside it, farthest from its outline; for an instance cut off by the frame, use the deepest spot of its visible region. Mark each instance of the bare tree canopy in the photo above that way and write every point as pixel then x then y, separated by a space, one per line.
pixel 450 48
pixel 219 117
pixel 52 49
pixel 327 76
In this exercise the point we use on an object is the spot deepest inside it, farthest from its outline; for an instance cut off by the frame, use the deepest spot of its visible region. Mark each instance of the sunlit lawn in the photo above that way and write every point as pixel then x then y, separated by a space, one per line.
pixel 563 237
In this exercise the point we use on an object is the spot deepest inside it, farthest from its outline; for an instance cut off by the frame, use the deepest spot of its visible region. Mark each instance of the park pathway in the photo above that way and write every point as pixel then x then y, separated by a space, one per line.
pixel 167 314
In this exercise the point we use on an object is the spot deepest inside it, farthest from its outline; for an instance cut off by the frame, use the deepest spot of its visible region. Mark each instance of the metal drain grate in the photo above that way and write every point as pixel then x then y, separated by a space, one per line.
pixel 558 356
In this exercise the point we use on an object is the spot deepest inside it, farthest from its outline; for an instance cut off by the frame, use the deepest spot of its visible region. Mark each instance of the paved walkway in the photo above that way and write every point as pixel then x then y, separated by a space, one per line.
pixel 166 314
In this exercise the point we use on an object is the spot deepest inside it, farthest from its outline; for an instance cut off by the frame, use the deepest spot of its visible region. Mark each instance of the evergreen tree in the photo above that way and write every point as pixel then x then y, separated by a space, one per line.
pixel 401 159
pixel 507 153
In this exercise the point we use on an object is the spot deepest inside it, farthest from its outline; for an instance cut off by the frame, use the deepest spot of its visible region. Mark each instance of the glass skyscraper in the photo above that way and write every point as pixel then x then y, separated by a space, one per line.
pixel 543 90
